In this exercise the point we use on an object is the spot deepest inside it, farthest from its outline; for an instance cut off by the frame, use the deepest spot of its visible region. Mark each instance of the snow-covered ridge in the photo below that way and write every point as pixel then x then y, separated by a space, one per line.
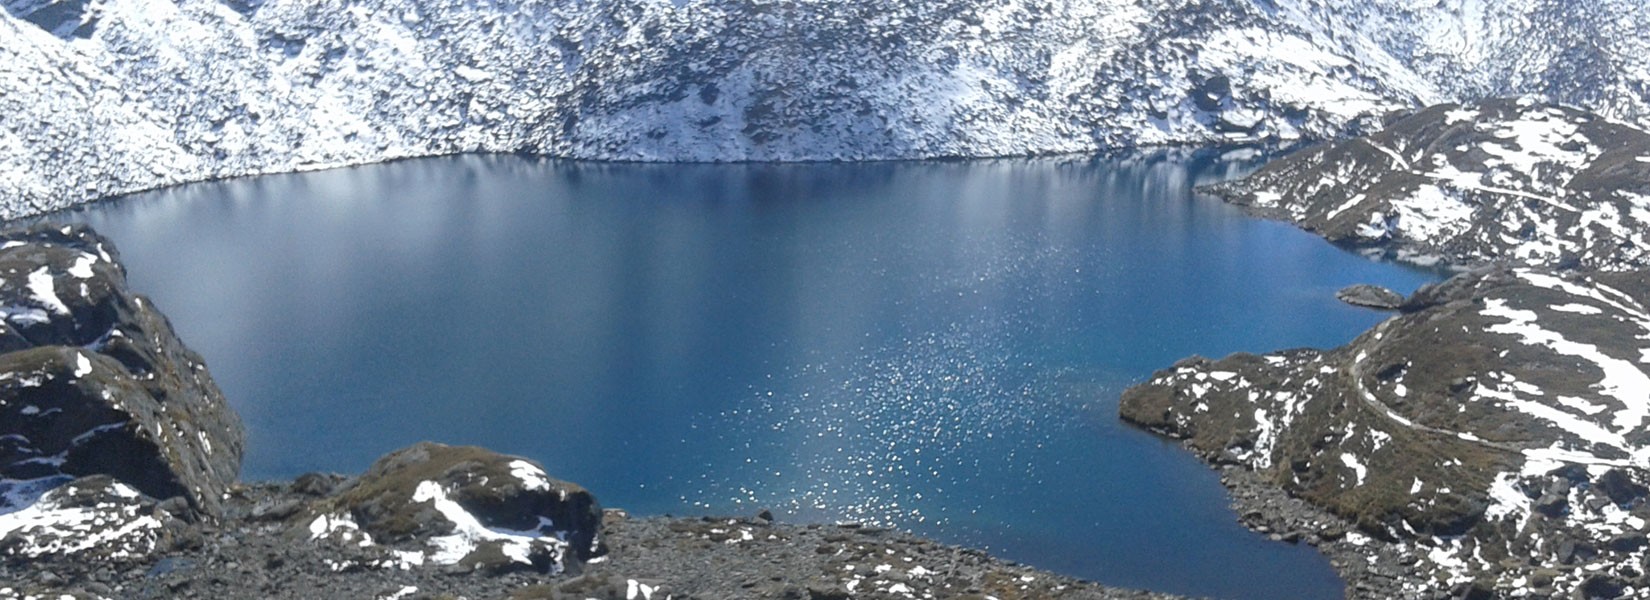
pixel 1498 425
pixel 107 97
pixel 1511 180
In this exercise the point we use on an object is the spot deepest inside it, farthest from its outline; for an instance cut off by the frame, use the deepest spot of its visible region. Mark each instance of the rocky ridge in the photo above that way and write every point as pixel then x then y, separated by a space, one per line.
pixel 111 97
pixel 1511 180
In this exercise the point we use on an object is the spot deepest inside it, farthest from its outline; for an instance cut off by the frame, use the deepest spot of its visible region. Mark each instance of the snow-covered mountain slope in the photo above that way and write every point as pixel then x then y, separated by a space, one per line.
pixel 1585 53
pixel 104 97
pixel 1497 433
pixel 1497 180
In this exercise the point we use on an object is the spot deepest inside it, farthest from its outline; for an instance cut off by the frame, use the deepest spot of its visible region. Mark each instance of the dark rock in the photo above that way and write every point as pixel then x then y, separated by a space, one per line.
pixel 1476 590
pixel 1600 587
pixel 177 506
pixel 1555 499
pixel 1552 505
pixel 1571 551
pixel 1620 487
pixel 827 592
pixel 318 484
pixel 1572 473
pixel 96 382
pixel 276 510
pixel 1628 542
pixel 1370 296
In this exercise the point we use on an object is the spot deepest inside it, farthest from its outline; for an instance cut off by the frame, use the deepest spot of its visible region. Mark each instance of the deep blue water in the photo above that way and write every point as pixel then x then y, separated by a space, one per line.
pixel 937 346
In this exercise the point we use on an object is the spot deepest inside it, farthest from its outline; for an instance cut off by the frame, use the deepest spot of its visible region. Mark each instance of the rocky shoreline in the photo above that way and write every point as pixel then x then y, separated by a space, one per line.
pixel 262 547
pixel 1489 440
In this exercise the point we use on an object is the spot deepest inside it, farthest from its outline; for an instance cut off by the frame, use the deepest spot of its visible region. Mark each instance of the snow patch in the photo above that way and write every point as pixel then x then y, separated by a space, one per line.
pixel 468 532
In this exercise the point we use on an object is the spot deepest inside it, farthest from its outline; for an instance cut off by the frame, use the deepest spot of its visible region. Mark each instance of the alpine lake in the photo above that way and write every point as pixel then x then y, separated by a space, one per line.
pixel 934 346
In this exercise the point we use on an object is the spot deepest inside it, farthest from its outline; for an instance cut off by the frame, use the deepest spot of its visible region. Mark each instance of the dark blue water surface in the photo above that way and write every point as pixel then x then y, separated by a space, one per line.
pixel 935 346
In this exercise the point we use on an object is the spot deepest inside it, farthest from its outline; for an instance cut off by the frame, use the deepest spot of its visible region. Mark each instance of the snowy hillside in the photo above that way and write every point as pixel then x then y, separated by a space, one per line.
pixel 1498 180
pixel 101 98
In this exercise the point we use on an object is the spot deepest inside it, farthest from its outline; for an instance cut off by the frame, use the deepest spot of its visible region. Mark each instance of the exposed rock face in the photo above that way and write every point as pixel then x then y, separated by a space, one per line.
pixel 1498 431
pixel 1499 180
pixel 109 97
pixel 94 382
pixel 1370 296
pixel 462 505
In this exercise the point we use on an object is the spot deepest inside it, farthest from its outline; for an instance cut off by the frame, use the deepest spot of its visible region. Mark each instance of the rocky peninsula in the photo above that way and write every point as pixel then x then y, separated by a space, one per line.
pixel 1490 440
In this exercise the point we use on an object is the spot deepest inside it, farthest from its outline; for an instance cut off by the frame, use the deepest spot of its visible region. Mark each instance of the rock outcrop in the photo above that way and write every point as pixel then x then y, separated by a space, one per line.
pixel 1370 296
pixel 103 98
pixel 1496 434
pixel 444 505
pixel 1503 180
pixel 93 381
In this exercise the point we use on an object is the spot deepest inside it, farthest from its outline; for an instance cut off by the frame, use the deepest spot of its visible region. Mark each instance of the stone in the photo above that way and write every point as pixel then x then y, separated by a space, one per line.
pixel 1627 542
pixel 1370 296
pixel 1619 487
pixel 317 484
pixel 1600 587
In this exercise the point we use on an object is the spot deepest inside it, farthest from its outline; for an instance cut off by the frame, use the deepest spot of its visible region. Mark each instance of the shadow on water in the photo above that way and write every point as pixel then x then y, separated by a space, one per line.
pixel 936 346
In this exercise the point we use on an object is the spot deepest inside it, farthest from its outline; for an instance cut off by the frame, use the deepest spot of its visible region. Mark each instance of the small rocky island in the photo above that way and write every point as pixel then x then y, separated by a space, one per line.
pixel 1493 438
pixel 119 460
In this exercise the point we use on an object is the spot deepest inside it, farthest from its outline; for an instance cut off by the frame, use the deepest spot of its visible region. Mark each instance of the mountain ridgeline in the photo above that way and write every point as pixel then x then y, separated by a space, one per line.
pixel 111 97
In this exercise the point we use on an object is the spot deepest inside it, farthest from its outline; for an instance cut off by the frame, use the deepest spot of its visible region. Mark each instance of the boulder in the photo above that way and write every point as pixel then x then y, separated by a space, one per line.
pixel 94 381
pixel 1620 487
pixel 465 506
pixel 1370 296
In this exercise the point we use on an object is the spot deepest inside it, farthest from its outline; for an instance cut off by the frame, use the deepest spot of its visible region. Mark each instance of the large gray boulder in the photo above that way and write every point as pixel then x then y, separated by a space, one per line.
pixel 1370 296
pixel 93 381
